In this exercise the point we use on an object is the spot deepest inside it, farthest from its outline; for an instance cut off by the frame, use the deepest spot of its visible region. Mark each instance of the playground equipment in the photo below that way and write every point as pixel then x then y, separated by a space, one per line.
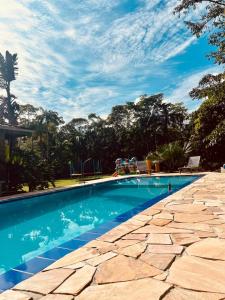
pixel 125 166
pixel 89 167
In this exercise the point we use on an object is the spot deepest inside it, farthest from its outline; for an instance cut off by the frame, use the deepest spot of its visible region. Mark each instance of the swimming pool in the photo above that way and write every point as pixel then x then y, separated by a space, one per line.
pixel 43 228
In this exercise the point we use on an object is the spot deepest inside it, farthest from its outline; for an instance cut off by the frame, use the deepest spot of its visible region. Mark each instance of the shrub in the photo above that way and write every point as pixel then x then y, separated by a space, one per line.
pixel 26 167
pixel 170 155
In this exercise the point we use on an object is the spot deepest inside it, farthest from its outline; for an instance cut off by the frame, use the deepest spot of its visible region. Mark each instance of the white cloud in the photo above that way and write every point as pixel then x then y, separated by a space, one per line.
pixel 85 101
pixel 82 56
pixel 146 35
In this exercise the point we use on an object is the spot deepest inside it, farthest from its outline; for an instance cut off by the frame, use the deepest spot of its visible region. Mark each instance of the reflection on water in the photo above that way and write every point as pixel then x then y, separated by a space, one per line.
pixel 32 226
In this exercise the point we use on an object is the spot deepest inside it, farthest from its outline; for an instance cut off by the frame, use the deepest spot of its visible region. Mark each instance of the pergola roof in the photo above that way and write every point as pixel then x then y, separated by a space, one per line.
pixel 15 131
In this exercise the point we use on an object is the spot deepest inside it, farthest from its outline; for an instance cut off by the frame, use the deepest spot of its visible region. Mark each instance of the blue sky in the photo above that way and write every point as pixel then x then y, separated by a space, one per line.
pixel 83 56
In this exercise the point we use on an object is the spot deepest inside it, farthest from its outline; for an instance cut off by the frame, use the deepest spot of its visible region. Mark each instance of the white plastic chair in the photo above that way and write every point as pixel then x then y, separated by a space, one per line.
pixel 193 163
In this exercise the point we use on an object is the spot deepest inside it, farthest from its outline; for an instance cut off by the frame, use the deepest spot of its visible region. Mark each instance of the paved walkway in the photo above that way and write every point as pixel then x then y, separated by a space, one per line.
pixel 172 250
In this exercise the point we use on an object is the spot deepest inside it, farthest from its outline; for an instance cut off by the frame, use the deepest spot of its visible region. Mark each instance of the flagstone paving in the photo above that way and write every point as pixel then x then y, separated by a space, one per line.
pixel 172 250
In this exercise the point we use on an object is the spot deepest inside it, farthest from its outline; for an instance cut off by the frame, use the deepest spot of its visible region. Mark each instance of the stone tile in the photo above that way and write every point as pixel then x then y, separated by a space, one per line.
pixel 106 249
pixel 131 236
pixel 170 249
pixel 97 244
pixel 213 203
pixel 164 215
pixel 57 297
pixel 77 282
pixel 184 239
pixel 221 214
pixel 214 222
pixel 159 222
pixel 34 296
pixel 112 236
pixel 206 196
pixel 191 226
pixel 158 229
pixel 133 250
pixel 126 243
pixel 183 201
pixel 150 211
pixel 219 228
pixel 160 205
pixel 136 222
pixel 182 294
pixel 133 290
pixel 14 295
pixel 215 209
pixel 198 274
pixel 44 282
pixel 190 208
pixel 101 258
pixel 74 257
pixel 101 246
pixel 160 261
pixel 76 266
pixel 117 233
pixel 158 238
pixel 129 269
pixel 209 248
pixel 205 234
pixel 143 218
pixel 192 218
pixel 162 276
pixel 221 235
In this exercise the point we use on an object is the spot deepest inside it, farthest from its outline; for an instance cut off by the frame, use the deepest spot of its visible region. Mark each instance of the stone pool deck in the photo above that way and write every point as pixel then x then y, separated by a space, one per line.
pixel 174 250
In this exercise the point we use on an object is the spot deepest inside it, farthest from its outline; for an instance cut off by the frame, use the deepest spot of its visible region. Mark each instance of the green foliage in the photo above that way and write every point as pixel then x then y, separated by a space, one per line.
pixel 26 167
pixel 171 156
pixel 8 73
pixel 212 20
pixel 210 86
pixel 130 130
pixel 8 68
pixel 208 131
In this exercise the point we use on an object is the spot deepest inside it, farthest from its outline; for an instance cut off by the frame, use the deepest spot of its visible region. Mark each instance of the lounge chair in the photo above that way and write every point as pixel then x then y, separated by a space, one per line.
pixel 141 166
pixel 193 164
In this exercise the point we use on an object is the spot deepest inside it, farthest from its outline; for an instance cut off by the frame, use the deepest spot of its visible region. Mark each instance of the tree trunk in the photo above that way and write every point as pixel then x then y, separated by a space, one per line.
pixel 11 114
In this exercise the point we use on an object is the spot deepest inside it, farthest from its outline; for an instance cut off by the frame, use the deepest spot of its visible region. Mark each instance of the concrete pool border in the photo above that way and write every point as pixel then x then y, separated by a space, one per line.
pixel 38 263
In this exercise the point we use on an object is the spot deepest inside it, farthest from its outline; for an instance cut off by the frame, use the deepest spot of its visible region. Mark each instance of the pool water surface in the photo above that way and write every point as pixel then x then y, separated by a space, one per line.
pixel 33 226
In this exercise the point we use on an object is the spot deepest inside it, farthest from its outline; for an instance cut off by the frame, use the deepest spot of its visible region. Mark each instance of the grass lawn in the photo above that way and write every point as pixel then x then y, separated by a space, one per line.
pixel 70 181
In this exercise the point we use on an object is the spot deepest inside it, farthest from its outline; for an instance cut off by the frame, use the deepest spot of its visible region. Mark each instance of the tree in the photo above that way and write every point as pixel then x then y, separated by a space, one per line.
pixel 212 20
pixel 208 131
pixel 8 73
pixel 27 114
pixel 208 122
pixel 131 129
pixel 210 86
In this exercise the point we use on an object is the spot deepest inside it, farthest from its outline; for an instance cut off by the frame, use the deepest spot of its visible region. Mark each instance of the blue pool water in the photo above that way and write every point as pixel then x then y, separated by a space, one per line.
pixel 31 226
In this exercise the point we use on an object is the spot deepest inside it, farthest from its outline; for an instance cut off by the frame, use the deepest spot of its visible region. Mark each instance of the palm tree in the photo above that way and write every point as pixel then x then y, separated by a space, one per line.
pixel 8 73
